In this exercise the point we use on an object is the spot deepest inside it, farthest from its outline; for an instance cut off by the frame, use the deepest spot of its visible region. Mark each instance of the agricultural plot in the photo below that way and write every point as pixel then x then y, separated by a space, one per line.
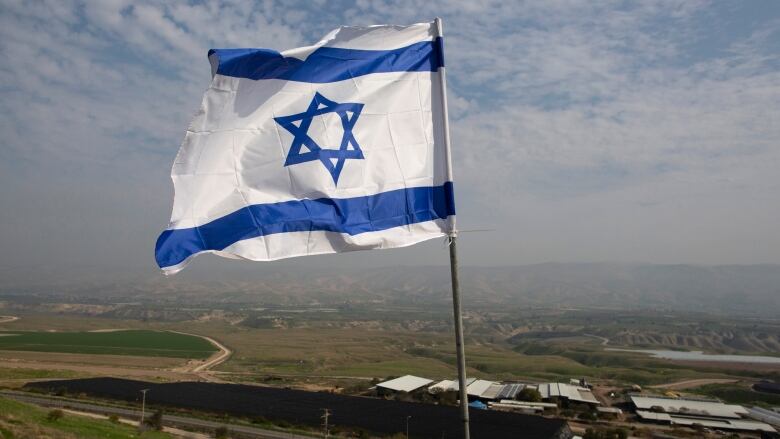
pixel 127 342
pixel 299 407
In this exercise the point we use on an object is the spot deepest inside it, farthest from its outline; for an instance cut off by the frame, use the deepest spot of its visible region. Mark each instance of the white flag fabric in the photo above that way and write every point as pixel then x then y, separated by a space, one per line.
pixel 329 148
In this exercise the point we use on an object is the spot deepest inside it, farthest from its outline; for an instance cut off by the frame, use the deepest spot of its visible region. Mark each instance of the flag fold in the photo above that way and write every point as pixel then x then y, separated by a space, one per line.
pixel 328 148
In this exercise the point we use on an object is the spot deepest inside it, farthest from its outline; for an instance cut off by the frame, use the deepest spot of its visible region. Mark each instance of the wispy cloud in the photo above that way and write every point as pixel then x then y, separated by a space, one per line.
pixel 574 122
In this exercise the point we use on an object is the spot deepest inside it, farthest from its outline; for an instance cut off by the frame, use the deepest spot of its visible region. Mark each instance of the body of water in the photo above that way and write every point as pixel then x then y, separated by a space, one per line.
pixel 701 356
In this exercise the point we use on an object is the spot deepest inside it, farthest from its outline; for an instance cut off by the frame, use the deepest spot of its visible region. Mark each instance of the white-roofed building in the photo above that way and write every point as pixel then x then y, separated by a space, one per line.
pixel 449 385
pixel 685 406
pixel 456 385
pixel 493 391
pixel 406 384
pixel 692 421
pixel 478 387
pixel 764 415
pixel 697 412
pixel 567 392
pixel 442 386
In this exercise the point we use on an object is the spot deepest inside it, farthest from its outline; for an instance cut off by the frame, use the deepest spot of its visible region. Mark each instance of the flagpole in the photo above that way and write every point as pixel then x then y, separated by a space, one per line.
pixel 453 237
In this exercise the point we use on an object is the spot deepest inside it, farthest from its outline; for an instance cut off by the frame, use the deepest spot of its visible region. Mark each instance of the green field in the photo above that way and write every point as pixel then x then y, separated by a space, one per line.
pixel 127 342
pixel 739 394
pixel 19 420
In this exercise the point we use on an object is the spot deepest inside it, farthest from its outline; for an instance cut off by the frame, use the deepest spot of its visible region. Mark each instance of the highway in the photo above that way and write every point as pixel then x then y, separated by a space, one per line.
pixel 168 420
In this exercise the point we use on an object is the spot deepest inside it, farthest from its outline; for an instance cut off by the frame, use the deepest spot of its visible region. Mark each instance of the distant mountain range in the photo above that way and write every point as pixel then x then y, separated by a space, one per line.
pixel 738 289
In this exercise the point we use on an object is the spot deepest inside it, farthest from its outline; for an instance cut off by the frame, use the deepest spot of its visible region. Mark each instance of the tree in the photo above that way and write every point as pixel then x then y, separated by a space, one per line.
pixel 156 420
pixel 616 433
pixel 529 394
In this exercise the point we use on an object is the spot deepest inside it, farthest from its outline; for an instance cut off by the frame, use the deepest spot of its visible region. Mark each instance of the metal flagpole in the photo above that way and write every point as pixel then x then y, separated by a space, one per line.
pixel 453 236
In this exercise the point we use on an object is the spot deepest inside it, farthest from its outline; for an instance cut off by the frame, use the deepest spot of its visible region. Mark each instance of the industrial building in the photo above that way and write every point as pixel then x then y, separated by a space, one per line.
pixel 404 384
pixel 480 389
pixel 568 392
pixel 760 414
pixel 697 412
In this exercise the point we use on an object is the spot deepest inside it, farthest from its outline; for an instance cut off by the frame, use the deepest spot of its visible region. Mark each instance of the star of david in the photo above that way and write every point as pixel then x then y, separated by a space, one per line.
pixel 332 159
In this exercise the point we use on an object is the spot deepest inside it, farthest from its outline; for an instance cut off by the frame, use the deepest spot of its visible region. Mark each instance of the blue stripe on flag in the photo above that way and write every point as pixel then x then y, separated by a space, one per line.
pixel 329 64
pixel 352 216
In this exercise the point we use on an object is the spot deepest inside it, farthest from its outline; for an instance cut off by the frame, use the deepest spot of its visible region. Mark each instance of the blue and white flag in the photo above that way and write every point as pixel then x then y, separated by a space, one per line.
pixel 329 148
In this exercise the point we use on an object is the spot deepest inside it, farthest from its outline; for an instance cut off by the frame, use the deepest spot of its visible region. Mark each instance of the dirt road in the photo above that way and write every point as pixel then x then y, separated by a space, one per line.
pixel 100 370
pixel 687 384
pixel 8 319
pixel 604 340
pixel 202 369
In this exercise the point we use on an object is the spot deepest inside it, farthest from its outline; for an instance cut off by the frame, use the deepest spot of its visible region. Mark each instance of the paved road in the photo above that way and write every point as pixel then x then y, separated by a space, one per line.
pixel 172 420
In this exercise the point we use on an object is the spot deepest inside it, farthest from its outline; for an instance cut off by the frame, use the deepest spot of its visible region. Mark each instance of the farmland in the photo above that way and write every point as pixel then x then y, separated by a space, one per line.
pixel 126 342
pixel 342 346
pixel 739 394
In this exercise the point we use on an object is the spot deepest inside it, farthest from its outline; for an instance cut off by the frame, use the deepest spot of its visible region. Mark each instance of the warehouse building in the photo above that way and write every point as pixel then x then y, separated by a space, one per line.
pixel 449 385
pixel 567 392
pixel 760 414
pixel 482 390
pixel 696 412
pixel 404 384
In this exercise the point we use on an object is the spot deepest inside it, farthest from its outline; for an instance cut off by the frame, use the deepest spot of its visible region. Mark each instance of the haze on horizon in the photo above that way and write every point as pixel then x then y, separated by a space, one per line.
pixel 582 131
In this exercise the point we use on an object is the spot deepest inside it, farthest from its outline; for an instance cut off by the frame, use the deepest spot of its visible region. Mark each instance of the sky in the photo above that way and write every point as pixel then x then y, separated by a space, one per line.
pixel 582 131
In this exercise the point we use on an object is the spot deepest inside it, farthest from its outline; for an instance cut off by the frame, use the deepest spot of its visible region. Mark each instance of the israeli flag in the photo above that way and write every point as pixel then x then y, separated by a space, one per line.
pixel 334 147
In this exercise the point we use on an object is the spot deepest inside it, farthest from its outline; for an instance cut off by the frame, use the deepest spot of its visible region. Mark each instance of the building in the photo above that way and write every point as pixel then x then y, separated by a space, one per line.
pixel 448 385
pixel 404 384
pixel 764 415
pixel 501 391
pixel 478 387
pixel 696 412
pixel 482 390
pixel 568 392
pixel 510 405
pixel 688 406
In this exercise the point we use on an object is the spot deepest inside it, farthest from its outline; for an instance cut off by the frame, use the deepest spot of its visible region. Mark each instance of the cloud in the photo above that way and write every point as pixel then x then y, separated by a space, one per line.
pixel 571 121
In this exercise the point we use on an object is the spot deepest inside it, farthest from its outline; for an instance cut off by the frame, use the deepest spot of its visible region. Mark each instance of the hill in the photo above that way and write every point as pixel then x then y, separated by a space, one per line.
pixel 729 289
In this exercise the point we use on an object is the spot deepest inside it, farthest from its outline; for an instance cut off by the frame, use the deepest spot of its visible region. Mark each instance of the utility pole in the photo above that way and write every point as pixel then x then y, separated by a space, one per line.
pixel 143 407
pixel 407 425
pixel 325 422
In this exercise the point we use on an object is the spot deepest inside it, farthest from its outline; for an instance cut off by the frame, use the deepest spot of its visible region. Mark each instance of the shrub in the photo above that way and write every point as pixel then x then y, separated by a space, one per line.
pixel 156 420
pixel 114 419
pixel 281 423
pixel 610 433
pixel 221 433
pixel 55 415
